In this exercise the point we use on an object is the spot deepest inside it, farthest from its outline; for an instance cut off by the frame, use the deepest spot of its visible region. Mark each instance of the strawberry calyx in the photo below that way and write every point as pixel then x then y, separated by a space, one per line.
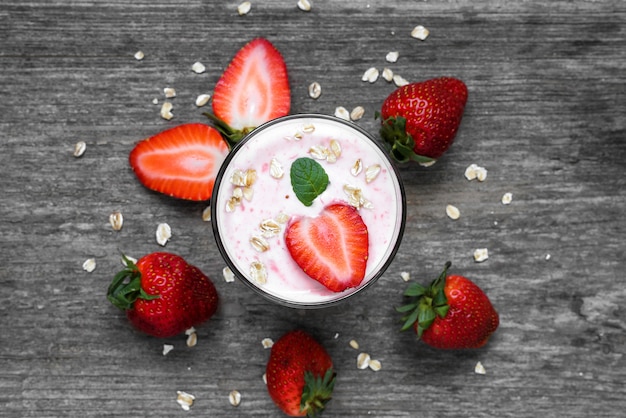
pixel 317 392
pixel 126 288
pixel 427 303
pixel 399 142
pixel 230 134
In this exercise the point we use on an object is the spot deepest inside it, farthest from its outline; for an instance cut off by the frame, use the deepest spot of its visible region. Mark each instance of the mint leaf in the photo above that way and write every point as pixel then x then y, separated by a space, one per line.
pixel 308 180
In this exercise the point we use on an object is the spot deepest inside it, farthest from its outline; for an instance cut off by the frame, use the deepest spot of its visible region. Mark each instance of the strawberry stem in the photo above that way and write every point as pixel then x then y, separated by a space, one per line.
pixel 126 288
pixel 231 135
pixel 317 392
pixel 426 303
pixel 398 141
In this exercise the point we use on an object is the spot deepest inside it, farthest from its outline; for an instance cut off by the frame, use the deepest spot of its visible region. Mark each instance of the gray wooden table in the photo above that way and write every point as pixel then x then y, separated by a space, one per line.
pixel 546 117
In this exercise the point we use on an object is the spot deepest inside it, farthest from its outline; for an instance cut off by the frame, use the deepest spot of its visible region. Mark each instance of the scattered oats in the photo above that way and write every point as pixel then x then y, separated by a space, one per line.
pixel 372 172
pixel 309 128
pixel 89 265
pixel 354 344
pixel 234 397
pixel 304 5
pixel 206 214
pixel 79 148
pixel 481 174
pixel 190 331
pixel 406 276
pixel 163 234
pixel 507 198
pixel 420 32
pixel 167 348
pixel 481 254
pixel 399 80
pixel 392 56
pixel 267 342
pixel 363 361
pixel 231 204
pixel 250 177
pixel 453 212
pixel 264 377
pixel 116 220
pixel 166 111
pixel 336 335
pixel 474 171
pixel 198 68
pixel 185 400
pixel 282 218
pixel 356 198
pixel 244 8
pixel 202 100
pixel 248 193
pixel 357 113
pixel 427 163
pixel 228 275
pixel 335 148
pixel 315 90
pixel 375 365
pixel 548 256
pixel 169 92
pixel 238 178
pixel 258 272
pixel 370 75
pixel 479 368
pixel 388 74
pixel 259 243
pixel 192 339
pixel 269 228
pixel 139 55
pixel 357 168
pixel 319 152
pixel 155 101
pixel 298 136
pixel 342 113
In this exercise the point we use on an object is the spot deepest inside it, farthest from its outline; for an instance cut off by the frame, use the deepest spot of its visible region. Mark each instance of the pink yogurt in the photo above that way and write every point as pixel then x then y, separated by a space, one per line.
pixel 270 197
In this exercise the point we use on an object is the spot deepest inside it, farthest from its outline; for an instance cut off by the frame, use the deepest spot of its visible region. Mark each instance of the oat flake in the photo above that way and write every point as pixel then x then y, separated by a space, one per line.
pixel 357 113
pixel 420 32
pixel 375 365
pixel 202 100
pixel 370 75
pixel 481 254
pixel 198 68
pixel 315 90
pixel 244 8
pixel 79 149
pixel 192 339
pixel 354 344
pixel 267 342
pixel 363 361
pixel 392 56
pixel 206 214
pixel 234 397
pixel 342 113
pixel 169 92
pixel 479 368
pixel 166 111
pixel 116 220
pixel 185 400
pixel 304 5
pixel 139 55
pixel 167 348
pixel 406 276
pixel 453 212
pixel 258 272
pixel 163 234
pixel 399 81
pixel 388 75
pixel 507 198
pixel 228 275
pixel 89 265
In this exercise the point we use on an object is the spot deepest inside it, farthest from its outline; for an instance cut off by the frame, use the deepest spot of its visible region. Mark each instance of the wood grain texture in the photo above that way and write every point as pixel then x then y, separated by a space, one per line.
pixel 546 116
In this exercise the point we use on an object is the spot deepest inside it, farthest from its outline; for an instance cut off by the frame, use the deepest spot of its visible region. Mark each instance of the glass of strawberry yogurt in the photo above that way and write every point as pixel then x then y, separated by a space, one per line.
pixel 295 168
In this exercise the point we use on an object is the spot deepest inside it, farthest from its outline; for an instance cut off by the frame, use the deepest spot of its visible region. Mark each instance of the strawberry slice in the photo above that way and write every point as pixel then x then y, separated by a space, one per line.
pixel 254 89
pixel 331 248
pixel 181 162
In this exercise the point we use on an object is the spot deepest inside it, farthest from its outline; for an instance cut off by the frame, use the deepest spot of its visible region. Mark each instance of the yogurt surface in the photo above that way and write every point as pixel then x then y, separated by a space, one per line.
pixel 254 190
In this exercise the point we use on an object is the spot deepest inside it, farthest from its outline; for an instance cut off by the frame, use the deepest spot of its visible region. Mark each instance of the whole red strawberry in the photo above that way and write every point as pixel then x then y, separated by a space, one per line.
pixel 452 313
pixel 163 295
pixel 253 89
pixel 300 376
pixel 420 120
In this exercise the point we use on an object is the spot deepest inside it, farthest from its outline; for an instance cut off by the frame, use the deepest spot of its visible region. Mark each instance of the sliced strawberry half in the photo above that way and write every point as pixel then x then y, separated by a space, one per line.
pixel 181 162
pixel 254 89
pixel 331 248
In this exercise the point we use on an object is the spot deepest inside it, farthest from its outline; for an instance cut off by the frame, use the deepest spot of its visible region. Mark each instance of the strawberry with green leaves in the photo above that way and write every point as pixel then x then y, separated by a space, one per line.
pixel 163 295
pixel 300 376
pixel 253 89
pixel 331 248
pixel 420 120
pixel 451 313
pixel 181 162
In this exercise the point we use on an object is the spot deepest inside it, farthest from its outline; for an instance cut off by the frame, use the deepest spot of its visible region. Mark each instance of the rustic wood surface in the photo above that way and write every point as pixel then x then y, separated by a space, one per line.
pixel 546 116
